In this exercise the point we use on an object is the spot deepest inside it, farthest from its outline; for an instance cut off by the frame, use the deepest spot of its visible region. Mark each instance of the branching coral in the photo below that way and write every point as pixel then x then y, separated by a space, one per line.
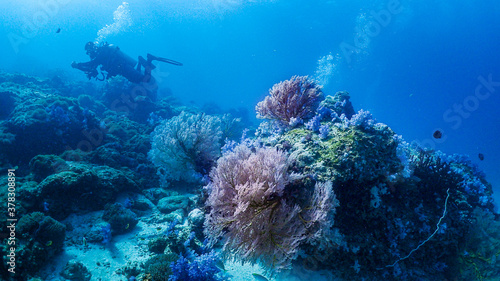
pixel 290 100
pixel 185 147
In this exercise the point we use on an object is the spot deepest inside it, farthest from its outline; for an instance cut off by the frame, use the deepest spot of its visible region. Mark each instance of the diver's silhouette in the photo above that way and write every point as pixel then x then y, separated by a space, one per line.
pixel 115 62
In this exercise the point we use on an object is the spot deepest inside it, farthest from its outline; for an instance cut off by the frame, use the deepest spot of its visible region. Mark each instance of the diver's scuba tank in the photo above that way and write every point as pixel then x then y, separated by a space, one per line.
pixel 120 57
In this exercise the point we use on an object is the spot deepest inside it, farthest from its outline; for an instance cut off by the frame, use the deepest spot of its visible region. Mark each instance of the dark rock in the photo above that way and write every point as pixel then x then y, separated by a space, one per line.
pixel 121 219
pixel 141 204
pixel 196 218
pixel 45 165
pixel 155 194
pixel 6 104
pixel 172 203
pixel 76 271
pixel 159 266
pixel 158 245
pixel 40 238
pixel 81 187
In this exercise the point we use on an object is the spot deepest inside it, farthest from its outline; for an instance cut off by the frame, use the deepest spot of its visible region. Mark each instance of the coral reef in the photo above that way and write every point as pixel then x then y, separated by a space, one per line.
pixel 121 220
pixel 58 123
pixel 76 271
pixel 320 189
pixel 172 203
pixel 76 187
pixel 481 248
pixel 159 266
pixel 43 166
pixel 40 239
pixel 398 212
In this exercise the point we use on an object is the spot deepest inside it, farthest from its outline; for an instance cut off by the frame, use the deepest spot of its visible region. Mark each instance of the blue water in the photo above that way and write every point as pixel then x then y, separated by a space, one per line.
pixel 423 60
pixel 426 58
pixel 416 64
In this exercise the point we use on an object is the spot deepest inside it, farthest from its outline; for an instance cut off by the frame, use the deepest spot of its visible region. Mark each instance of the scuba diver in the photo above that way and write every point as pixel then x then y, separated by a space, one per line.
pixel 115 62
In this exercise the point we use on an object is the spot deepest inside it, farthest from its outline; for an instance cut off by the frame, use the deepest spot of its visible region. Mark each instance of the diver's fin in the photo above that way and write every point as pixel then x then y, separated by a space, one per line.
pixel 152 58
pixel 146 63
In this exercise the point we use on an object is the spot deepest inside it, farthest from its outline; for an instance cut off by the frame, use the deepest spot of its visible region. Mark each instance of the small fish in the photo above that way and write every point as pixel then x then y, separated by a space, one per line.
pixel 128 225
pixel 48 244
pixel 84 242
pixel 58 30
pixel 481 156
pixel 437 134
pixel 259 277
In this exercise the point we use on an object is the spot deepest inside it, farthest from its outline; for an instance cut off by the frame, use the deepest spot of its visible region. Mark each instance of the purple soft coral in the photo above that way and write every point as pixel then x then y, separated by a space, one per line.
pixel 296 98
pixel 251 209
